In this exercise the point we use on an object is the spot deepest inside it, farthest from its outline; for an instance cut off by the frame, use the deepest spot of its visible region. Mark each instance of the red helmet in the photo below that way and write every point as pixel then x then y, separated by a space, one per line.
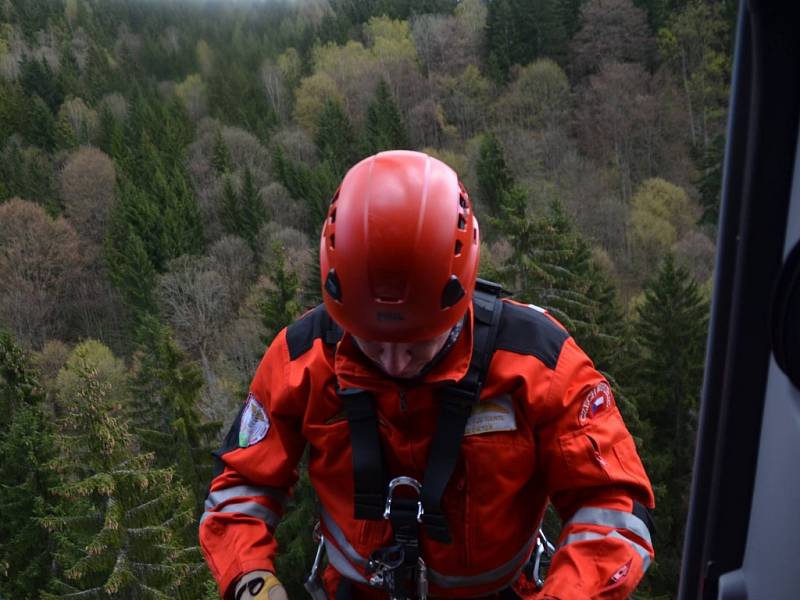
pixel 399 249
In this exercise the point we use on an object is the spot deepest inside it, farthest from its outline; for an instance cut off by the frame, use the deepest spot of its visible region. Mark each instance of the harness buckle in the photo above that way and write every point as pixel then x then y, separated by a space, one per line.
pixel 404 481
pixel 382 565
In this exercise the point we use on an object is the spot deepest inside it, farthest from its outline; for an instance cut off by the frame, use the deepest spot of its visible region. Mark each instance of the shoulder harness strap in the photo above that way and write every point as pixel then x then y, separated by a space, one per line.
pixel 457 402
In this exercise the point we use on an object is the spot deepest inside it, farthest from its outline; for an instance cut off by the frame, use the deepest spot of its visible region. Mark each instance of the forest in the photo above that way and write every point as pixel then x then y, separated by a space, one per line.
pixel 166 165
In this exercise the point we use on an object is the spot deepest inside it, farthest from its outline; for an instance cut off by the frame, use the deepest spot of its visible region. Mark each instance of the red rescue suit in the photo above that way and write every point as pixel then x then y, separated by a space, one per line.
pixel 546 427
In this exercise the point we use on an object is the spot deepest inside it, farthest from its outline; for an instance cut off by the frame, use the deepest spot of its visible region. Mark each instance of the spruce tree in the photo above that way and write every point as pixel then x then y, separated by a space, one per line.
pixel 26 447
pixel 280 305
pixel 494 176
pixel 119 523
pixel 670 335
pixel 41 126
pixel 230 210
pixel 167 385
pixel 335 139
pixel 384 128
pixel 254 215
pixel 220 155
pixel 313 186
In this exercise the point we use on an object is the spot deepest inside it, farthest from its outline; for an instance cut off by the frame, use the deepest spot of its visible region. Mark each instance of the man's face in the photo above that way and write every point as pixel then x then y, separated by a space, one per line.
pixel 402 359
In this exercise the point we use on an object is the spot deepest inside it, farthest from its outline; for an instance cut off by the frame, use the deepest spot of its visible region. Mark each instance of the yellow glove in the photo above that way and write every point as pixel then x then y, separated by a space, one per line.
pixel 260 585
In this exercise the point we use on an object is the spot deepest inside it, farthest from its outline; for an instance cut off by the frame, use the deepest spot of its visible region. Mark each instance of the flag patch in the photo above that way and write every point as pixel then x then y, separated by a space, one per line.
pixel 598 400
pixel 254 424
pixel 496 414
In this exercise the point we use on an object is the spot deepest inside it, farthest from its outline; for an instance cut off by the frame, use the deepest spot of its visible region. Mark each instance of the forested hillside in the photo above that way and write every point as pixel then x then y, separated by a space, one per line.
pixel 165 167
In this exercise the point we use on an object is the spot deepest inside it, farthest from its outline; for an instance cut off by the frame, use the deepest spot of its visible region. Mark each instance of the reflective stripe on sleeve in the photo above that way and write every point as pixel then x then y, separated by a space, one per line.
pixel 607 517
pixel 639 549
pixel 584 536
pixel 218 497
pixel 251 509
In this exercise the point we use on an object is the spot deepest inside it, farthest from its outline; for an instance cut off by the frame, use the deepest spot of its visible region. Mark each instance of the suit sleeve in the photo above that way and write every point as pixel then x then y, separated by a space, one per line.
pixel 597 484
pixel 256 468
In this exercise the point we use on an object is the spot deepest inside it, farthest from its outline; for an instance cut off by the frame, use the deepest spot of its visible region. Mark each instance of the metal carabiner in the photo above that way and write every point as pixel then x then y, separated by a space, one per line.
pixel 313 582
pixel 407 481
pixel 543 549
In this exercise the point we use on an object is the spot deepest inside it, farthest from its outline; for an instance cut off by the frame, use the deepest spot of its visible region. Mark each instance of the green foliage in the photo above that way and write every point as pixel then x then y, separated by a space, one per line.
pixel 38 79
pixel 243 212
pixel 670 334
pixel 710 181
pixel 26 446
pixel 313 185
pixel 494 177
pixel 166 385
pixel 295 538
pixel 384 128
pixel 41 126
pixel 520 31
pixel 280 305
pixel 117 527
pixel 336 139
pixel 220 155
pixel 156 217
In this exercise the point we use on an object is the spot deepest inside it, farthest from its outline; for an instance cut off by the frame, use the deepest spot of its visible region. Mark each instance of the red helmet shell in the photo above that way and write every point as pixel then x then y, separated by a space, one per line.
pixel 399 249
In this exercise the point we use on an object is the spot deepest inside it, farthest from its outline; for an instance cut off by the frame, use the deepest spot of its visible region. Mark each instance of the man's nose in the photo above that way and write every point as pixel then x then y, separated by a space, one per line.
pixel 395 358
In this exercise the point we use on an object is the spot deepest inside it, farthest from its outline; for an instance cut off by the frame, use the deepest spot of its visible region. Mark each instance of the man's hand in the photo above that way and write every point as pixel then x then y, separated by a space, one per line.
pixel 260 585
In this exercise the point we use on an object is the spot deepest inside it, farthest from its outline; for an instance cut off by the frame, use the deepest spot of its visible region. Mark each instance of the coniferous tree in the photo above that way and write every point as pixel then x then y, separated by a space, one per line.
pixel 119 524
pixel 384 128
pixel 231 213
pixel 253 212
pixel 41 126
pixel 314 186
pixel 280 305
pixel 167 385
pixel 38 79
pixel 130 268
pixel 220 155
pixel 336 140
pixel 494 176
pixel 670 334
pixel 26 445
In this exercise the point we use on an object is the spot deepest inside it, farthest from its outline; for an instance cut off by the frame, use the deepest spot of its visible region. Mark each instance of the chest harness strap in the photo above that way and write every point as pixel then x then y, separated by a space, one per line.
pixel 399 569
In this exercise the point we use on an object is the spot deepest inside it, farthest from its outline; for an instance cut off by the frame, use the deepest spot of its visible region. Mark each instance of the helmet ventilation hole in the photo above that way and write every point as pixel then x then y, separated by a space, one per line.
pixel 457 251
pixel 333 216
pixel 333 240
pixel 462 223
pixel 462 201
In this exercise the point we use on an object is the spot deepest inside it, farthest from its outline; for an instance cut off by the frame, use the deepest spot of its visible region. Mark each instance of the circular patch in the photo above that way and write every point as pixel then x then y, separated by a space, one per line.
pixel 598 400
pixel 254 424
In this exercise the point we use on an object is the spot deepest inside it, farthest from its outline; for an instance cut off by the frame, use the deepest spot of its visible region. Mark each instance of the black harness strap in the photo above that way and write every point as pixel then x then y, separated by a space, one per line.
pixel 456 404
pixel 368 467
pixel 369 471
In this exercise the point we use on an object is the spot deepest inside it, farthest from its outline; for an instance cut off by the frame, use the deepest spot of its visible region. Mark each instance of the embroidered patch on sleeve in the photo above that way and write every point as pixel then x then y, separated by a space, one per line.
pixel 598 400
pixel 496 414
pixel 254 424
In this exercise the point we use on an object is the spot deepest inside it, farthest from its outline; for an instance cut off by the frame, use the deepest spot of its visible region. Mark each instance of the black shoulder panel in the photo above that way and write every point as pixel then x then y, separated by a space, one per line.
pixel 315 324
pixel 527 331
pixel 231 442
